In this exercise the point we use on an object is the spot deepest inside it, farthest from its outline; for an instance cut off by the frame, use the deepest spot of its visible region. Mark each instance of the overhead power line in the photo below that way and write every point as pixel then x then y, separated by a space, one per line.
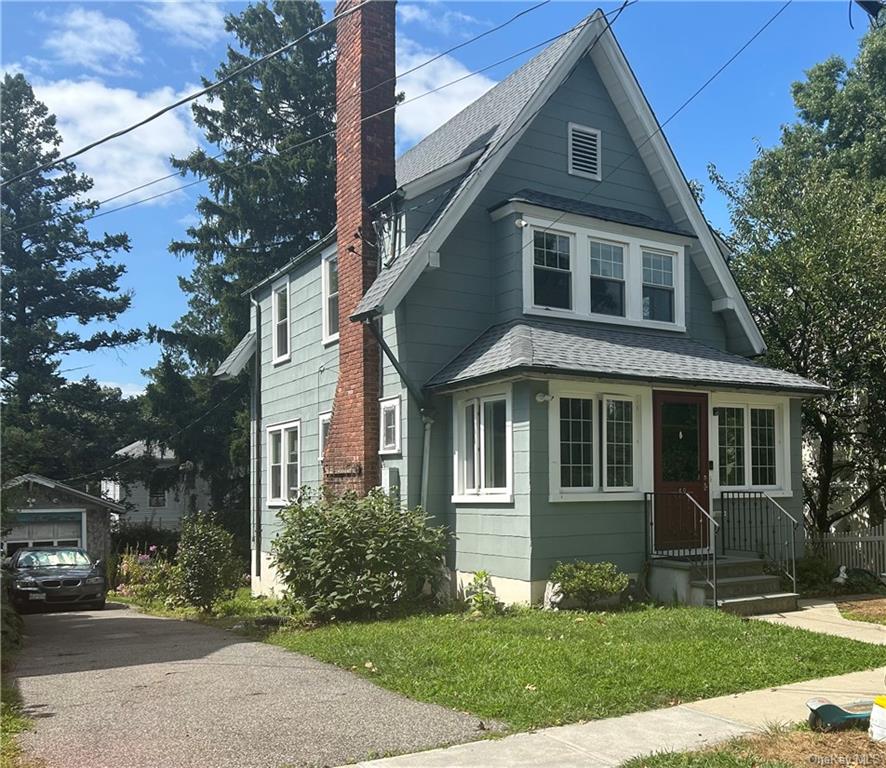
pixel 327 134
pixel 186 99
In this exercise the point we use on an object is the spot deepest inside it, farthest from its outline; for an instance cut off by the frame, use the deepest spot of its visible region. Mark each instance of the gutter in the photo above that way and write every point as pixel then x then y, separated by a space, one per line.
pixel 256 400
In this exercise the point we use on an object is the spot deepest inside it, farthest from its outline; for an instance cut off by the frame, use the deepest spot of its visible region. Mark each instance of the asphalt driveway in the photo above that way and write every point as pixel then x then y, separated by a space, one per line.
pixel 117 688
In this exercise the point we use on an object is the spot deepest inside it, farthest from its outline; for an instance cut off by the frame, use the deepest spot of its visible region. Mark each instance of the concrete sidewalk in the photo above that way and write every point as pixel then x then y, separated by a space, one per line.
pixel 608 743
pixel 822 615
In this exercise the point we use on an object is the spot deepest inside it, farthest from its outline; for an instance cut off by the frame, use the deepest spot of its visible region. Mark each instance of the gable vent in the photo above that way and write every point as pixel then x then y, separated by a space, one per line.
pixel 584 151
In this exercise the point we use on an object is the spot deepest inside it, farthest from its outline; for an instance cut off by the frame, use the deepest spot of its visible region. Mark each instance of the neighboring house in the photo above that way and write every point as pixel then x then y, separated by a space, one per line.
pixel 563 372
pixel 153 501
pixel 39 512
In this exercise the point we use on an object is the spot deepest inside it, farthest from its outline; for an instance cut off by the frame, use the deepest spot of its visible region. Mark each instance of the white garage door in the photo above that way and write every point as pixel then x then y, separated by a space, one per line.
pixel 44 530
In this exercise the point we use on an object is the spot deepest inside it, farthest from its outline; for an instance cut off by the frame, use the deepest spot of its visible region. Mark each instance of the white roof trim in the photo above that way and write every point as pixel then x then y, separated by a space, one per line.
pixel 439 176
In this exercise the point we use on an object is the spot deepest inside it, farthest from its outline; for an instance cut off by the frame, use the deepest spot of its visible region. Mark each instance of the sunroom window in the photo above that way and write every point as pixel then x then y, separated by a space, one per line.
pixel 576 442
pixel 483 445
pixel 552 278
pixel 619 428
pixel 748 446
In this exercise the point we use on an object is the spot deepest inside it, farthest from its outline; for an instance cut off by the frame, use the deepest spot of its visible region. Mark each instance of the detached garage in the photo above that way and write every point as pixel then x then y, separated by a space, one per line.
pixel 44 512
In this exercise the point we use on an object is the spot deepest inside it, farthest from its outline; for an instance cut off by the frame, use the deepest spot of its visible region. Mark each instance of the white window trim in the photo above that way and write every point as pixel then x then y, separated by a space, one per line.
pixel 782 408
pixel 284 480
pixel 275 290
pixel 572 291
pixel 384 404
pixel 328 338
pixel 460 495
pixel 585 129
pixel 580 267
pixel 643 441
pixel 323 418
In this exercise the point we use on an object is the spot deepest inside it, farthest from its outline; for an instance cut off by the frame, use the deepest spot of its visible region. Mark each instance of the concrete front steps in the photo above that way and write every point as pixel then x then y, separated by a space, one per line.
pixel 743 586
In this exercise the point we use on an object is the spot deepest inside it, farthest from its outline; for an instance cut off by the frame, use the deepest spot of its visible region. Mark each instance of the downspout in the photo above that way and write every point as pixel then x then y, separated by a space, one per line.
pixel 427 416
pixel 256 409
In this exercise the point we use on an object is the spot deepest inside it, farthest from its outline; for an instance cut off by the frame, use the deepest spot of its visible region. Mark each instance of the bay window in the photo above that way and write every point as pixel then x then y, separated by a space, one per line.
pixel 284 462
pixel 483 446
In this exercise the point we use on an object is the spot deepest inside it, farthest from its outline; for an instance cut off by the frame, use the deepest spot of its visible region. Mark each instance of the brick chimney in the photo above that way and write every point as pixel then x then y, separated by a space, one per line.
pixel 365 173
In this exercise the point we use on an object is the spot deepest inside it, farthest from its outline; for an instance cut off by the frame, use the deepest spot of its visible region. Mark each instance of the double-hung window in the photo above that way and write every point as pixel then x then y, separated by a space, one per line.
pixel 483 445
pixel 594 444
pixel 552 275
pixel 658 286
pixel 325 419
pixel 389 439
pixel 330 297
pixel 156 493
pixel 607 278
pixel 281 322
pixel 748 448
pixel 284 462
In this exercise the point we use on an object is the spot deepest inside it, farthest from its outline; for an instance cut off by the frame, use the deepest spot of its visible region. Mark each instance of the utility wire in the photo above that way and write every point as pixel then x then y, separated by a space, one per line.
pixel 200 418
pixel 301 122
pixel 186 99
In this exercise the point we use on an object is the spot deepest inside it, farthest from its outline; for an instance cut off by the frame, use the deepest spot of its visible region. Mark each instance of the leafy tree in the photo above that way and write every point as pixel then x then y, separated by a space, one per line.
pixel 57 279
pixel 268 200
pixel 54 273
pixel 809 221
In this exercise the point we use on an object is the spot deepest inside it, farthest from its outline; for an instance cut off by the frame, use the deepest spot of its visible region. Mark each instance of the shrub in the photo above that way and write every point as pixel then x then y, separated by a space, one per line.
pixel 150 579
pixel 588 583
pixel 815 574
pixel 10 621
pixel 480 596
pixel 357 557
pixel 209 569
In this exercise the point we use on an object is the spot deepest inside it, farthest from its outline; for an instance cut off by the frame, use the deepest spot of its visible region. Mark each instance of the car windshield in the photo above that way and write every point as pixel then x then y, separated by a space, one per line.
pixel 51 557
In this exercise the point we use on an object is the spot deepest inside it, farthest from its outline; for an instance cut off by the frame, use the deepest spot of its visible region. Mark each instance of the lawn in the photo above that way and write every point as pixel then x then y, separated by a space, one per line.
pixel 535 668
pixel 12 723
pixel 870 609
pixel 787 749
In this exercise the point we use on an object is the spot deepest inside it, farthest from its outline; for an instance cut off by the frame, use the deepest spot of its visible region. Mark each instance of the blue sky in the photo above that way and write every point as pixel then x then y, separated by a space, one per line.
pixel 102 65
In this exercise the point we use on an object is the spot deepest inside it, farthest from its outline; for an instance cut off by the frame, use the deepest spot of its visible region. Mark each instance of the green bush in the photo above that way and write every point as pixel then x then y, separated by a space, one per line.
pixel 209 568
pixel 142 537
pixel 588 583
pixel 357 557
pixel 150 579
pixel 480 597
pixel 10 621
pixel 815 574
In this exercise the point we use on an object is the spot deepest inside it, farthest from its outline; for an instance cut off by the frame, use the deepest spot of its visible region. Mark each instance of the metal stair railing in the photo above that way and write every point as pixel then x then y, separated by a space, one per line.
pixel 755 522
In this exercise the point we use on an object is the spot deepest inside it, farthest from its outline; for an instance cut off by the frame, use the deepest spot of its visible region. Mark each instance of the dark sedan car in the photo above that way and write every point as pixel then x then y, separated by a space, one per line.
pixel 55 576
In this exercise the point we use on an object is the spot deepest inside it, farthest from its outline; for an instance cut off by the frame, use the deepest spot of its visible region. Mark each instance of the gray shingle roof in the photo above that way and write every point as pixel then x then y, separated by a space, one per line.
pixel 544 345
pixel 484 121
pixel 55 485
pixel 583 208
pixel 236 361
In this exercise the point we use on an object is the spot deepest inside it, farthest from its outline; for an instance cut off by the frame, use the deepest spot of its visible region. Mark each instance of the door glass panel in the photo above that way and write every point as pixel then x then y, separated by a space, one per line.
pixel 679 442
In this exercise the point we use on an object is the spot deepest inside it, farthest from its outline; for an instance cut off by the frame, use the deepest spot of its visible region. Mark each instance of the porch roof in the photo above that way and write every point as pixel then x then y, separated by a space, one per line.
pixel 570 348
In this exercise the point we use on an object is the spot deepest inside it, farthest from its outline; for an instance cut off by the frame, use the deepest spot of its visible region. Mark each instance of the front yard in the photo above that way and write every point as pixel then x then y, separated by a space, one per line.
pixel 535 668
pixel 870 609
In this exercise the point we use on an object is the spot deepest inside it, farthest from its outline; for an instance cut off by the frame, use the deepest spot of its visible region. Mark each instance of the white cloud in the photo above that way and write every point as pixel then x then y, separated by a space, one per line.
pixel 89 39
pixel 88 109
pixel 128 389
pixel 417 119
pixel 188 23
pixel 435 17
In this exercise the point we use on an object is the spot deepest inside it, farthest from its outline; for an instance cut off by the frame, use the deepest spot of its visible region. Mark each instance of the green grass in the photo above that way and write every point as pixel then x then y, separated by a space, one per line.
pixel 12 723
pixel 539 668
pixel 721 758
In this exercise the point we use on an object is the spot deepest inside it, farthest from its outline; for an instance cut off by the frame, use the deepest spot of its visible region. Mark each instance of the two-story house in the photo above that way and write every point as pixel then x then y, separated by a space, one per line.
pixel 527 326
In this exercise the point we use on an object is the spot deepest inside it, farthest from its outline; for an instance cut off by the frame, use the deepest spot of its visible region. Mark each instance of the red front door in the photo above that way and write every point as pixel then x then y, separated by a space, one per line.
pixel 680 428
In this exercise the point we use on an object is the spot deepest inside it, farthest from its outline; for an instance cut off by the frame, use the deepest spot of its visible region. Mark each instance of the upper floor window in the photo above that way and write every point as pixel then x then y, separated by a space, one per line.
pixel 389 439
pixel 156 493
pixel 584 151
pixel 330 297
pixel 284 462
pixel 616 276
pixel 281 322
pixel 551 277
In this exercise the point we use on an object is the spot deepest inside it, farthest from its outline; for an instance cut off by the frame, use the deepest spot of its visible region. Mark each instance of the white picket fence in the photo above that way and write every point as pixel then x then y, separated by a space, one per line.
pixel 856 549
